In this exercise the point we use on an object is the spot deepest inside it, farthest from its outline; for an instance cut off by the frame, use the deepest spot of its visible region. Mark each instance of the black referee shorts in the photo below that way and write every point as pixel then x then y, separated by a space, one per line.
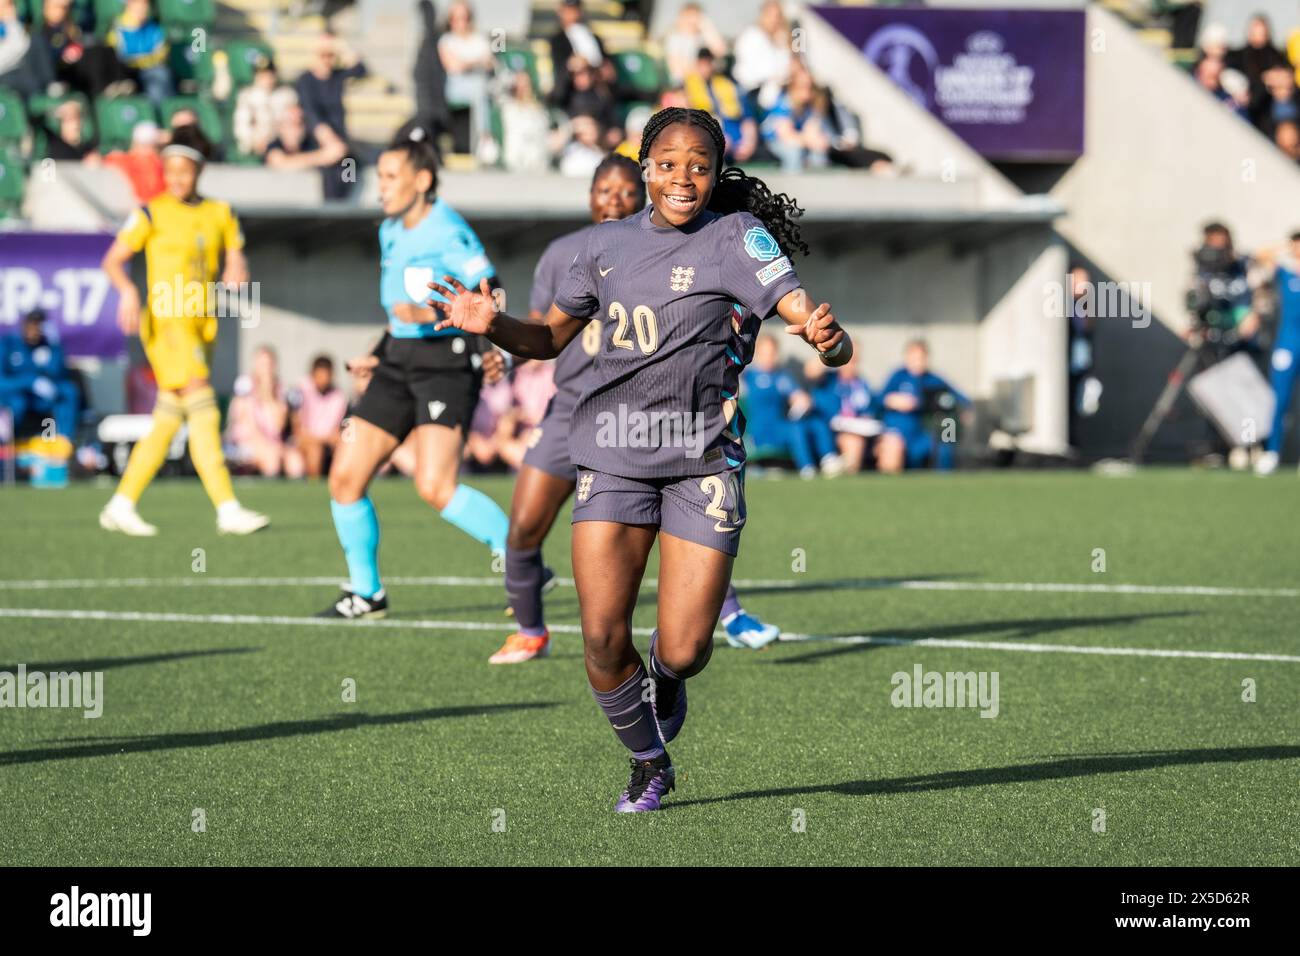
pixel 423 382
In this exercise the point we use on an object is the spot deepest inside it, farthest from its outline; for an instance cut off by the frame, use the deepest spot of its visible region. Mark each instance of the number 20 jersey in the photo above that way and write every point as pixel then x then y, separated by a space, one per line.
pixel 679 310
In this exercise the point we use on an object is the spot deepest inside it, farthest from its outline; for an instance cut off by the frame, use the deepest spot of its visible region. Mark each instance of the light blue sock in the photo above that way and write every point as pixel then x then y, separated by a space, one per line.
pixel 478 516
pixel 358 531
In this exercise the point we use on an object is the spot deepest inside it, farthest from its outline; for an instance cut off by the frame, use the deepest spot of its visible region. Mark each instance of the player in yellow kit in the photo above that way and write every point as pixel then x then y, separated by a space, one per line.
pixel 183 236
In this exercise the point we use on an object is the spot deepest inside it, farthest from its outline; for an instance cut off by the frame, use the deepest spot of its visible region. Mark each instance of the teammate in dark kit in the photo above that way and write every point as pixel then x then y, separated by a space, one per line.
pixel 548 475
pixel 657 435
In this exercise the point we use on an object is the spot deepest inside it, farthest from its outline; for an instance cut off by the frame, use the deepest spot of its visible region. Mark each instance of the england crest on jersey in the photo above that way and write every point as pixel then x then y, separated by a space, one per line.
pixel 681 278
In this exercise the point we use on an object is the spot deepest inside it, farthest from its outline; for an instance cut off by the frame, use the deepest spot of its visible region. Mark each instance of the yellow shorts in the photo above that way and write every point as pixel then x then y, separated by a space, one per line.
pixel 179 350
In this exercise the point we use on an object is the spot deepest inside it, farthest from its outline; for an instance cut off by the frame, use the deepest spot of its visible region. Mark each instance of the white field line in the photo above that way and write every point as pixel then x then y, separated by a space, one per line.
pixel 202 580
pixel 160 617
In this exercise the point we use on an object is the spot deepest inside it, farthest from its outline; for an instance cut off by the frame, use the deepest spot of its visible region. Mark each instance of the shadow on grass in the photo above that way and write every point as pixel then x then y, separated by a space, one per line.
pixel 108 663
pixel 1080 765
pixel 113 746
pixel 1014 628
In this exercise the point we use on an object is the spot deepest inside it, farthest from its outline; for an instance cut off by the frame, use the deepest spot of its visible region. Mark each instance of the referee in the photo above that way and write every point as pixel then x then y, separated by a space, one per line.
pixel 420 379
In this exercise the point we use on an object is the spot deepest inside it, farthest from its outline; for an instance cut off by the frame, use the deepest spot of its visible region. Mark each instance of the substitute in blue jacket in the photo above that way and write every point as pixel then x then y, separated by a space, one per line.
pixel 1286 347
pixel 779 414
pixel 844 400
pixel 420 379
pixel 34 378
pixel 909 399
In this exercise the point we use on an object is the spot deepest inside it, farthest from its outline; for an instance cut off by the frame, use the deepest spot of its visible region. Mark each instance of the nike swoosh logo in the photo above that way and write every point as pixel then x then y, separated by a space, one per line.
pixel 605 272
pixel 633 724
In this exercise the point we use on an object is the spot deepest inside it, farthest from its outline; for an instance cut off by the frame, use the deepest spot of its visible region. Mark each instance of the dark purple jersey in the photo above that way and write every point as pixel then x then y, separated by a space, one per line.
pixel 574 363
pixel 680 310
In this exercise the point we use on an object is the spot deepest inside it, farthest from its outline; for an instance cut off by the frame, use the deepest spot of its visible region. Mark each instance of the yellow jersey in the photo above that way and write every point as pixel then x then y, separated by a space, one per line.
pixel 182 244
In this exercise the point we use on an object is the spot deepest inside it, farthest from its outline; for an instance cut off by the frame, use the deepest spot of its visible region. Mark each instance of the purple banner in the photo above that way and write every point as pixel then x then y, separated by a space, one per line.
pixel 59 273
pixel 1008 82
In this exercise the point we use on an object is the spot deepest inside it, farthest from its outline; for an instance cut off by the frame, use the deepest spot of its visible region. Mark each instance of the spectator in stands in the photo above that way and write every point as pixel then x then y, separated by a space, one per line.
pixel 778 414
pixel 1085 388
pixel 259 108
pixel 913 395
pixel 525 128
pixel 430 78
pixel 845 132
pixel 707 89
pixel 691 34
pixel 507 412
pixel 258 418
pixel 844 401
pixel 34 379
pixel 318 407
pixel 796 129
pixel 762 56
pixel 22 67
pixel 634 126
pixel 142 164
pixel 1258 56
pixel 574 48
pixel 70 142
pixel 1214 43
pixel 1280 102
pixel 297 147
pixel 320 88
pixel 590 95
pixel 584 151
pixel 80 62
pixel 142 48
pixel 467 58
pixel 1209 73
pixel 1287 138
pixel 1184 18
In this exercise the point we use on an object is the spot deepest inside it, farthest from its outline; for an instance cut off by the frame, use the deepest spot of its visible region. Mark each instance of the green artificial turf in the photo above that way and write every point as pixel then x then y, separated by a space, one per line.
pixel 791 755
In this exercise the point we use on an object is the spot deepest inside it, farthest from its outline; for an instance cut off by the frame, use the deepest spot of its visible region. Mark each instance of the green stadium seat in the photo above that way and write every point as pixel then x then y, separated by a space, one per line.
pixel 118 116
pixel 11 185
pixel 106 11
pixel 13 117
pixel 640 71
pixel 187 13
pixel 518 58
pixel 209 116
pixel 244 55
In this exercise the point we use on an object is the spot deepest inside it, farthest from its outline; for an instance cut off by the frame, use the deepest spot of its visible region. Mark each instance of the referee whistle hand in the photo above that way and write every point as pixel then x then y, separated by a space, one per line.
pixel 470 312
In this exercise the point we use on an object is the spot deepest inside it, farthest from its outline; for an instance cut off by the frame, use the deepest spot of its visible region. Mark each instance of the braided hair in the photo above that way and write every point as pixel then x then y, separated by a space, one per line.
pixel 733 190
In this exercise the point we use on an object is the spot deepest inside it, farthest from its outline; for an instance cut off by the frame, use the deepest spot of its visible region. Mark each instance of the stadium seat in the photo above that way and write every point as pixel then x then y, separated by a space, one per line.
pixel 187 13
pixel 13 117
pixel 518 58
pixel 106 11
pixel 11 185
pixel 118 116
pixel 209 116
pixel 639 71
pixel 244 55
pixel 43 118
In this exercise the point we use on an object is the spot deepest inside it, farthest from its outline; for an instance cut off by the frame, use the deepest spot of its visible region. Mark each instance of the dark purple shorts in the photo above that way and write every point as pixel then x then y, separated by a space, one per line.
pixel 548 445
pixel 708 509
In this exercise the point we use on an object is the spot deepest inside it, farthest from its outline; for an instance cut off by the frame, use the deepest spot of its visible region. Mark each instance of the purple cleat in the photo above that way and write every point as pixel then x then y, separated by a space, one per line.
pixel 651 779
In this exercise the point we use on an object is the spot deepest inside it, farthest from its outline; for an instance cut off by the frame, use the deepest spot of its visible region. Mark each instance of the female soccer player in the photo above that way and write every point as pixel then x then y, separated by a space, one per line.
pixel 655 436
pixel 422 377
pixel 547 477
pixel 183 236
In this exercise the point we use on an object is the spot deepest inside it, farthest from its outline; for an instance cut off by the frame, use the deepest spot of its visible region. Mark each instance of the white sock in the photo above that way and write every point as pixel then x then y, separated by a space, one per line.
pixel 121 503
pixel 228 508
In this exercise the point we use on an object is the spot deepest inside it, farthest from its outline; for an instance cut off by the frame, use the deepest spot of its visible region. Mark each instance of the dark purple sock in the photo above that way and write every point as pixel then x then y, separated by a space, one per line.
pixel 632 716
pixel 730 604
pixel 524 588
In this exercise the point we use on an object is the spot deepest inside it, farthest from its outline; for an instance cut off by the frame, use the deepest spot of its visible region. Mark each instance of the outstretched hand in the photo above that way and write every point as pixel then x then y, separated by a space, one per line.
pixel 821 331
pixel 470 312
